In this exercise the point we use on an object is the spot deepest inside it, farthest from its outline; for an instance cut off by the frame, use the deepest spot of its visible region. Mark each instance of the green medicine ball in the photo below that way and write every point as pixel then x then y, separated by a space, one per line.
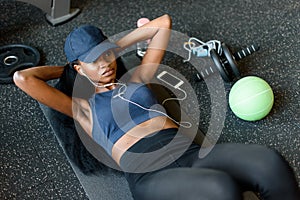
pixel 251 98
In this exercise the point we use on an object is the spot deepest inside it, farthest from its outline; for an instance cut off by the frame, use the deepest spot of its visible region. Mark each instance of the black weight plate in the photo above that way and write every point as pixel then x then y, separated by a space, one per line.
pixel 216 59
pixel 15 57
pixel 231 62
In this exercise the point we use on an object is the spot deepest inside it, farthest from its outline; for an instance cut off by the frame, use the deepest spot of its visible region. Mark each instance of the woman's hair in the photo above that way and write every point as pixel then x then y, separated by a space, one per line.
pixel 71 142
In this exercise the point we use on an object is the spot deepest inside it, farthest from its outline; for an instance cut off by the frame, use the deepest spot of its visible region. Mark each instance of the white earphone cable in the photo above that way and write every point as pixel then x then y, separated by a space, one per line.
pixel 183 124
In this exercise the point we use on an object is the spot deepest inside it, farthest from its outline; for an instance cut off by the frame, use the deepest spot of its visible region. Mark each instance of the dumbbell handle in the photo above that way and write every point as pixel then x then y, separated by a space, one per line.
pixel 245 52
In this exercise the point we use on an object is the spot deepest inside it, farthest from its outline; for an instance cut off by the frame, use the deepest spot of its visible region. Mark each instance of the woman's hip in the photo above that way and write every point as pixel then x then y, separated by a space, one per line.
pixel 155 152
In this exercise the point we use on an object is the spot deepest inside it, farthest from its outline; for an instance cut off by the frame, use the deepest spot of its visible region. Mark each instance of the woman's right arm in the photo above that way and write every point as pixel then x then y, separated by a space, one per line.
pixel 33 82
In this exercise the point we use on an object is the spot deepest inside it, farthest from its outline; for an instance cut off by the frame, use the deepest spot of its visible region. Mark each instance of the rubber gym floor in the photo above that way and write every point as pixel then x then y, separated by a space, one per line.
pixel 32 163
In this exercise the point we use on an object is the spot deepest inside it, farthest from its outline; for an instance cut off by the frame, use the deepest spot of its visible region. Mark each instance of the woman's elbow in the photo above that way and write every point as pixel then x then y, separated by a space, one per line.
pixel 166 21
pixel 19 78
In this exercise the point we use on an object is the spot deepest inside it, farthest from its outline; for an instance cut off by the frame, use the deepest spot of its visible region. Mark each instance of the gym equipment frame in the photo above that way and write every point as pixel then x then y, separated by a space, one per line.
pixel 57 11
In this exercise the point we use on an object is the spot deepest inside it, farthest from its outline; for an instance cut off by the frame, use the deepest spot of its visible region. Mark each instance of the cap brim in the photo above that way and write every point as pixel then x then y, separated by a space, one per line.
pixel 97 51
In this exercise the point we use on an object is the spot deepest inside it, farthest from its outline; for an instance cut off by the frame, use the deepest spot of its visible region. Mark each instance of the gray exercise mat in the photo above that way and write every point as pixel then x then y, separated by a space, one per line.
pixel 107 186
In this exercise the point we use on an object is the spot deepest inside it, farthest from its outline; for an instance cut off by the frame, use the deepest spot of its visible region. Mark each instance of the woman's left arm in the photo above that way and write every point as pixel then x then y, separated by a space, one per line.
pixel 158 30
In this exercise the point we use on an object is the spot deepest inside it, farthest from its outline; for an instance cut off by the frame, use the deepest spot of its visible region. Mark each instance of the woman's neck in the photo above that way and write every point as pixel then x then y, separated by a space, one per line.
pixel 106 87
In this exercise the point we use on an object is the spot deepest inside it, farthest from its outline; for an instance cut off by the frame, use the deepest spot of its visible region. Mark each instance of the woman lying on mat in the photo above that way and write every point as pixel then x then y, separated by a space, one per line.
pixel 225 173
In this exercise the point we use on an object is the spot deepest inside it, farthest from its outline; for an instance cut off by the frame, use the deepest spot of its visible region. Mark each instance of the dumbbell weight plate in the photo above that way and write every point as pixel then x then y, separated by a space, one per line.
pixel 16 57
pixel 216 59
pixel 231 62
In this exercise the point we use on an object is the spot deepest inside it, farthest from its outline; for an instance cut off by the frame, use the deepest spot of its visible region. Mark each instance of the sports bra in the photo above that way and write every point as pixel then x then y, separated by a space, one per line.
pixel 113 114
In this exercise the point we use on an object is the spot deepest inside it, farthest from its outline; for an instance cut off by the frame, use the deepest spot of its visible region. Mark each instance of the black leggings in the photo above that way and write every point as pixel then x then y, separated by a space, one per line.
pixel 225 173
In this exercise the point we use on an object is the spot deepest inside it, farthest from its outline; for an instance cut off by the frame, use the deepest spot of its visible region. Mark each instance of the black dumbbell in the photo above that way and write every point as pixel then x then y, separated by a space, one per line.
pixel 226 63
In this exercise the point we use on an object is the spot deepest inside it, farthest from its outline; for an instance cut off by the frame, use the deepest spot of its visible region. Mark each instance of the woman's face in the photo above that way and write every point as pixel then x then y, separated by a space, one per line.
pixel 101 71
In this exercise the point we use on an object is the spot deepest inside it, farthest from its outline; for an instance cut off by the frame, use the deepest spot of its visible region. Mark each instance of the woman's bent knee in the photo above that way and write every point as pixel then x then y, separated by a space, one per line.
pixel 274 176
pixel 270 163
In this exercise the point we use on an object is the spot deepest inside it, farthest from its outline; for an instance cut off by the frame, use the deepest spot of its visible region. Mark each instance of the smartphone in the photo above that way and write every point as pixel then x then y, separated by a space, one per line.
pixel 170 79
